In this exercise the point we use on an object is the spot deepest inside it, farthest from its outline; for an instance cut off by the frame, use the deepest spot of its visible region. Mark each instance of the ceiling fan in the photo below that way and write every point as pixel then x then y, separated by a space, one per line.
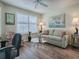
pixel 37 2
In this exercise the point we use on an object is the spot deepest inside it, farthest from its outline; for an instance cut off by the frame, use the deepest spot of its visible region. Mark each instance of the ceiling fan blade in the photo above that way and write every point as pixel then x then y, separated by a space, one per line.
pixel 34 1
pixel 43 4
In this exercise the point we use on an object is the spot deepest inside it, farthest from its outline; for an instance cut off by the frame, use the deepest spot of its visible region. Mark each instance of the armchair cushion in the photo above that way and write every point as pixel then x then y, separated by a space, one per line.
pixel 2 53
pixel 9 36
pixel 6 53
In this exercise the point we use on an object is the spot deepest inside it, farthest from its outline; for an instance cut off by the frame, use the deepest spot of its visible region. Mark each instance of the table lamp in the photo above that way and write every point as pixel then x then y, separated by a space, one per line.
pixel 75 24
pixel 41 25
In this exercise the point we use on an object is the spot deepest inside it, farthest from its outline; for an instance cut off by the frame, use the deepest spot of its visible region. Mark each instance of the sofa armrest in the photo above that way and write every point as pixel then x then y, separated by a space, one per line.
pixel 65 41
pixel 65 37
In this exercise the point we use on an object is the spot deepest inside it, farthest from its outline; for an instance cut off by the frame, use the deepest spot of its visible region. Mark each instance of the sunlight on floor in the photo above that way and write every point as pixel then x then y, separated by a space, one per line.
pixel 37 40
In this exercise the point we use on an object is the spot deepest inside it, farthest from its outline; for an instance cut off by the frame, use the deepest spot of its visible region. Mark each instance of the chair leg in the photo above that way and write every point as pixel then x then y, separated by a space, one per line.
pixel 17 52
pixel 8 53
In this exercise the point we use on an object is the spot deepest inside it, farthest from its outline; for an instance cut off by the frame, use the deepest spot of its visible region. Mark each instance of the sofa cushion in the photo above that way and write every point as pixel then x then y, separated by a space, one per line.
pixel 55 37
pixel 52 37
pixel 45 36
pixel 59 33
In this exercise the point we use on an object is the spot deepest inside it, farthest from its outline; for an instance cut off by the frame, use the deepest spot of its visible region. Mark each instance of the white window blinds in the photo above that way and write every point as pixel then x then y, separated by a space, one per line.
pixel 26 23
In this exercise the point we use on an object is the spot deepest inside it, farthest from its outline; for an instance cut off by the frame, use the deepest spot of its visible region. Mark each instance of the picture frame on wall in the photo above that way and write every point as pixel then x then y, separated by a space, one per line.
pixel 57 21
pixel 9 18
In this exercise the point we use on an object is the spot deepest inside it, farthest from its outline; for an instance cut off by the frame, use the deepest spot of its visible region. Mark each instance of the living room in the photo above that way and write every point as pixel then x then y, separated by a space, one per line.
pixel 49 30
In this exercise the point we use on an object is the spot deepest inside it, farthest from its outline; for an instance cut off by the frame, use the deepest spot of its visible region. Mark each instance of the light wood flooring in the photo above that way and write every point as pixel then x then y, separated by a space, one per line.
pixel 47 51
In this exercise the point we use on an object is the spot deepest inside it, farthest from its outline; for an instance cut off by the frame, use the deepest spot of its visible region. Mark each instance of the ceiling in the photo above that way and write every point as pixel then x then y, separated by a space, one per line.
pixel 52 4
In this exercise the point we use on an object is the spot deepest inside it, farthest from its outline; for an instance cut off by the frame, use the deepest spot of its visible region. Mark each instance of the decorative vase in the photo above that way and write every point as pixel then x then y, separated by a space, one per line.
pixel 29 37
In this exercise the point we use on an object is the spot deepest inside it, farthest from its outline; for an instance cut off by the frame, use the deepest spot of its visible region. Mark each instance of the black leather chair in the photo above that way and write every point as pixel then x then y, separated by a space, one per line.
pixel 2 53
pixel 6 53
pixel 16 42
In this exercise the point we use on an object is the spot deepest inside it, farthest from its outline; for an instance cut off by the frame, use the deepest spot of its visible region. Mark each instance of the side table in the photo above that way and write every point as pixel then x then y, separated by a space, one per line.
pixel 75 40
pixel 3 43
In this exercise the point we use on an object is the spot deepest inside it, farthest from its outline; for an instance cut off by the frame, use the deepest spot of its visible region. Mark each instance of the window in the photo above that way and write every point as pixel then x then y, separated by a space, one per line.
pixel 26 23
pixel 33 24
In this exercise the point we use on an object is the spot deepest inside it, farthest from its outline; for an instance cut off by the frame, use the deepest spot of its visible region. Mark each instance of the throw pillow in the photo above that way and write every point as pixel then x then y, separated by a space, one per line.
pixel 63 33
pixel 46 32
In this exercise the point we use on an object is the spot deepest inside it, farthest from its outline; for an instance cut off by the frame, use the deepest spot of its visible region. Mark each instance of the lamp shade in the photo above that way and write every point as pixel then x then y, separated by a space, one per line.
pixel 40 23
pixel 75 22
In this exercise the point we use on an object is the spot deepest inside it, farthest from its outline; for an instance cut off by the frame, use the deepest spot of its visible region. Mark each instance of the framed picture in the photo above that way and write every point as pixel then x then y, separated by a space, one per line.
pixel 9 19
pixel 57 21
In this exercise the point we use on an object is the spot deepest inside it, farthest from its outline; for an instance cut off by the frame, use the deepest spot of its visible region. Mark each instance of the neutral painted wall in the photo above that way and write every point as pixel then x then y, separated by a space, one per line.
pixel 14 10
pixel 2 25
pixel 11 9
pixel 70 12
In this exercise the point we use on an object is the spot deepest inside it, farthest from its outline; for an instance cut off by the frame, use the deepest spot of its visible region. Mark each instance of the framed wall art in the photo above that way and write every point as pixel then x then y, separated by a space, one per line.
pixel 9 19
pixel 57 21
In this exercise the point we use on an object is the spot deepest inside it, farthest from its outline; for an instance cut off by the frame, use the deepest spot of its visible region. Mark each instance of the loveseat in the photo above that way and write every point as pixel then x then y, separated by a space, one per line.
pixel 56 37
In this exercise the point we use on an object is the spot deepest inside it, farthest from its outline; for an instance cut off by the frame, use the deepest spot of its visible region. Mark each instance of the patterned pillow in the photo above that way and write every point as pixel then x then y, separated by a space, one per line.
pixel 63 33
pixel 46 32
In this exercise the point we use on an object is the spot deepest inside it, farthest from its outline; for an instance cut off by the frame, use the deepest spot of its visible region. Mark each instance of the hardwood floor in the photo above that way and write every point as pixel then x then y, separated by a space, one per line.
pixel 47 51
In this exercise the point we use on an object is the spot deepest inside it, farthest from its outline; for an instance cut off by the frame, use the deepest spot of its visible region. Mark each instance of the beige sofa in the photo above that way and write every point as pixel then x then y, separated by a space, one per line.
pixel 56 38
